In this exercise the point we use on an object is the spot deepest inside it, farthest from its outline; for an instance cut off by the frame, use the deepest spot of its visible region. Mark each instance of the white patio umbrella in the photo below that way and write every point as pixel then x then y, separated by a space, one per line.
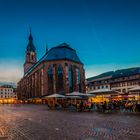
pixel 54 96
pixel 76 93
pixel 74 97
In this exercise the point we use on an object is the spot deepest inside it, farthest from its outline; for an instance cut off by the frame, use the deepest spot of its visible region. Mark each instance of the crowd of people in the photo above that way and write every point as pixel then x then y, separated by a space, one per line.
pixel 112 106
pixel 104 107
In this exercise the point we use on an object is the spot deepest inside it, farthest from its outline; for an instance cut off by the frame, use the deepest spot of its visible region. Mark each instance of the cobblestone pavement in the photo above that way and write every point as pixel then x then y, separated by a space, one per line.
pixel 35 122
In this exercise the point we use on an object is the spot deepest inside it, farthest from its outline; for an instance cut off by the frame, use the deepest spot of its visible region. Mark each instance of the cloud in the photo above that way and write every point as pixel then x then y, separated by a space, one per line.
pixel 10 70
pixel 93 70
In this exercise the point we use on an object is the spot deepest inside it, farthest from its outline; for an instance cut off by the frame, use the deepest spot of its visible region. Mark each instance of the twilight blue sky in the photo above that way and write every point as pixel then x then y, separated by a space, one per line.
pixel 105 33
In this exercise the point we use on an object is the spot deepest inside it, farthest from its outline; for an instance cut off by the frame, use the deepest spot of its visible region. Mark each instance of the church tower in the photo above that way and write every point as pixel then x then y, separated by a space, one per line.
pixel 30 59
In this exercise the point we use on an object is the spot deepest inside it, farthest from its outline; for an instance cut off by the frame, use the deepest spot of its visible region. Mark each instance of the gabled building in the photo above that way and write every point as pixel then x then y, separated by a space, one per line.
pixel 8 94
pixel 101 81
pixel 120 80
pixel 59 71
pixel 125 79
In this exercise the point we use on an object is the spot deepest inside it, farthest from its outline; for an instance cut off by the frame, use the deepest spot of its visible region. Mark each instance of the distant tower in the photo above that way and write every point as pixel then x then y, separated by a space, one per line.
pixel 30 59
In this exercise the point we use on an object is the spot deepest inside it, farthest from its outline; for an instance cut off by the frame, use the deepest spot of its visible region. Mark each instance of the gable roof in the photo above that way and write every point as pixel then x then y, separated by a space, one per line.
pixel 126 72
pixel 116 74
pixel 103 75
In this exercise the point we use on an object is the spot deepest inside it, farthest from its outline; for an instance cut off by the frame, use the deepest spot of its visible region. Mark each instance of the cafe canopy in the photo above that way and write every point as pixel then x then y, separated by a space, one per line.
pixel 135 89
pixel 54 96
pixel 76 93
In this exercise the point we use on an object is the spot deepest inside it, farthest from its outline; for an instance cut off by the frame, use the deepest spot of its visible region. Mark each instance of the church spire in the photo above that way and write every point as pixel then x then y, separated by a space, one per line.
pixel 30 46
pixel 30 59
pixel 30 36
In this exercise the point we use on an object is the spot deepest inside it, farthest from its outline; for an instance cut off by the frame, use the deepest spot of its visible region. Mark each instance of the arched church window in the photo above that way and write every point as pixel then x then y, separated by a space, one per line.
pixel 70 79
pixel 59 79
pixel 50 80
pixel 78 79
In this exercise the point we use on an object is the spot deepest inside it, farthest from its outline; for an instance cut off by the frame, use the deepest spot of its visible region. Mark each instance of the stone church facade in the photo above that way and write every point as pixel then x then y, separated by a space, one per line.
pixel 58 71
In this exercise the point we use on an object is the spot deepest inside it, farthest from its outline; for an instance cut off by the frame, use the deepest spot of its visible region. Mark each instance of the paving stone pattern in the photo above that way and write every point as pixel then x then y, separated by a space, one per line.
pixel 35 122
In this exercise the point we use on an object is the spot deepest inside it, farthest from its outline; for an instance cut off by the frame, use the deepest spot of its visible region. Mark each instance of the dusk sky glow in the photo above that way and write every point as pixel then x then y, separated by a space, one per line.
pixel 105 33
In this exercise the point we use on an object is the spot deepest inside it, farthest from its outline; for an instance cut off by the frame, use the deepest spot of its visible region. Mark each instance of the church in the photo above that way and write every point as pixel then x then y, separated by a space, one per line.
pixel 58 71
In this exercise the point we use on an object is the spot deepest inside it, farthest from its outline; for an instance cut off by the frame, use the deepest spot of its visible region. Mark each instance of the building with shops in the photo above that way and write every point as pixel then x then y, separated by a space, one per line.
pixel 101 81
pixel 59 71
pixel 123 80
pixel 8 94
pixel 120 80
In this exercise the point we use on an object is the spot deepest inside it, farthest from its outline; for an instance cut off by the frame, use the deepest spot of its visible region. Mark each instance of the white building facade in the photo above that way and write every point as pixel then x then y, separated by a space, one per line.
pixel 121 80
pixel 7 94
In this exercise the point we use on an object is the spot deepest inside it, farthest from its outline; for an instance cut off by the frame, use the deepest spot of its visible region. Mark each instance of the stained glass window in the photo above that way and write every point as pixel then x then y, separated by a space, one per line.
pixel 59 79
pixel 70 79
pixel 50 80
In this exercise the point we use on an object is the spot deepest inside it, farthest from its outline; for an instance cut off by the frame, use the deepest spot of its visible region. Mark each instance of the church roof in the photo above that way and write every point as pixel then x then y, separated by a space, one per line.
pixel 60 52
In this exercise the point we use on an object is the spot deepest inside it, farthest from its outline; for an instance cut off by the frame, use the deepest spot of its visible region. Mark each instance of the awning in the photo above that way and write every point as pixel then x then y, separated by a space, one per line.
pixel 135 89
pixel 103 91
pixel 75 93
pixel 74 97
